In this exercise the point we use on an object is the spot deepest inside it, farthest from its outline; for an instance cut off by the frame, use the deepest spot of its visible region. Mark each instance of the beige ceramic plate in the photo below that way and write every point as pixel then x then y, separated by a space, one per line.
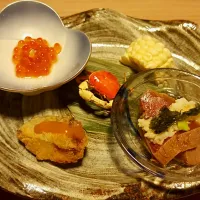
pixel 105 172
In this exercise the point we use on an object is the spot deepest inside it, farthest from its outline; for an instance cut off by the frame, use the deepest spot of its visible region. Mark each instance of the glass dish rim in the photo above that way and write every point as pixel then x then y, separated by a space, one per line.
pixel 129 151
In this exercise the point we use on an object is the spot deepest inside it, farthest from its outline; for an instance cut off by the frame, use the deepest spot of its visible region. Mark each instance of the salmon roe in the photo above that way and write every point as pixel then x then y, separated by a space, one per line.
pixel 34 57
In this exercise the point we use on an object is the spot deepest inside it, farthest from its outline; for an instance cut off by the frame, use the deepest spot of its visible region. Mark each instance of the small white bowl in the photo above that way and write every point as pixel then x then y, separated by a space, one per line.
pixel 35 19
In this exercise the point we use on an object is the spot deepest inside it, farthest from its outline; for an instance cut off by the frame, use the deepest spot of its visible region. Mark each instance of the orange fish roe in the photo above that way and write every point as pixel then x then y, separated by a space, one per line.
pixel 34 57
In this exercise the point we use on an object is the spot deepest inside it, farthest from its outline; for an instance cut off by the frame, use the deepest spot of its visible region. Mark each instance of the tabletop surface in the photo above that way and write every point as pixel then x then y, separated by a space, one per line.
pixel 143 9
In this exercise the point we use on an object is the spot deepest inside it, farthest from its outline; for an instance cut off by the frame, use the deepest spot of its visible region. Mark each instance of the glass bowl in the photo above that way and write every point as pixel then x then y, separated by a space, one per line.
pixel 125 113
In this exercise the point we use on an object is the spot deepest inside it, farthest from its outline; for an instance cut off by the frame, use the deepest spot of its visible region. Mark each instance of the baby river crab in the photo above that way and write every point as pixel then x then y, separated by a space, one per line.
pixel 99 90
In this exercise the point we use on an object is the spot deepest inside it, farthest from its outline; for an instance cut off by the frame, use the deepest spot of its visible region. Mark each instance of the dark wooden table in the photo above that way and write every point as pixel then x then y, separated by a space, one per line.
pixel 8 196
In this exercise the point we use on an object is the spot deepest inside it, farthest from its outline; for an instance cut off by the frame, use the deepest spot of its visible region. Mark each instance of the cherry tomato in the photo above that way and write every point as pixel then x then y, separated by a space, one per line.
pixel 104 83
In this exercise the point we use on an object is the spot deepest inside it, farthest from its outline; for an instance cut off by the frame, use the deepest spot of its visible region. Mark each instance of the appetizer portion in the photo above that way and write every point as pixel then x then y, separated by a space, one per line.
pixel 34 57
pixel 147 53
pixel 99 89
pixel 58 139
pixel 169 127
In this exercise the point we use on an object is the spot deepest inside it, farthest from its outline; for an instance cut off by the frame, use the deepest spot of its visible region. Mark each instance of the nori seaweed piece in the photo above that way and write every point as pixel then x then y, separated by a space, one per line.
pixel 166 118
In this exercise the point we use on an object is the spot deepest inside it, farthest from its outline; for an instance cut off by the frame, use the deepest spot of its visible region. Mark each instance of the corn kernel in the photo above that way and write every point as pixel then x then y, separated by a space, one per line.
pixel 147 57
pixel 147 53
pixel 150 43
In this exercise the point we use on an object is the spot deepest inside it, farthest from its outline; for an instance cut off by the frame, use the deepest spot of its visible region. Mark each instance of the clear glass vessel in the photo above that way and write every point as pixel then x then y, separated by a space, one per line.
pixel 125 113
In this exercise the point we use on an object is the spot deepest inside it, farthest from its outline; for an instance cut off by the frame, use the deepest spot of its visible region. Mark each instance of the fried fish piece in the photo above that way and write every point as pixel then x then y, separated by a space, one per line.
pixel 55 138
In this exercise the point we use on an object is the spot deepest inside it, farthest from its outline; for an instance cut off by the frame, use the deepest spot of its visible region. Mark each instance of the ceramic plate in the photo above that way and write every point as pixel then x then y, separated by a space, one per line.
pixel 105 172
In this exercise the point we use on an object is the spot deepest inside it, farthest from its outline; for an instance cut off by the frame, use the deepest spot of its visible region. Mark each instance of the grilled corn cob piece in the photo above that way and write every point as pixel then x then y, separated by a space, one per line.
pixel 147 53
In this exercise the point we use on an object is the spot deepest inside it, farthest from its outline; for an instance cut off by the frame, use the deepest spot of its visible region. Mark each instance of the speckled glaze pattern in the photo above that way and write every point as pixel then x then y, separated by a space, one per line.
pixel 105 172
